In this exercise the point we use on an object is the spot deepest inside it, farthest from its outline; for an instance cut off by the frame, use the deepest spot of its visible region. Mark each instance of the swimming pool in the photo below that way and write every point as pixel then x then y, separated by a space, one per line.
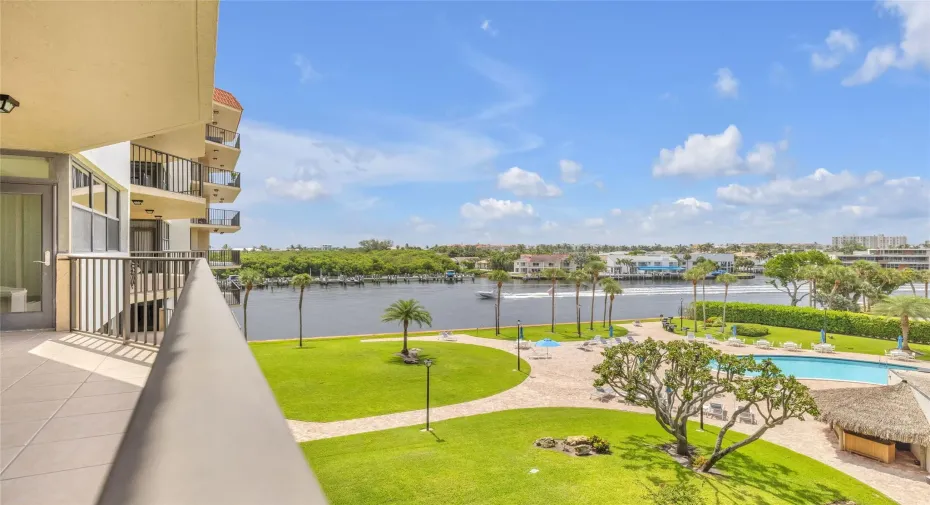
pixel 804 367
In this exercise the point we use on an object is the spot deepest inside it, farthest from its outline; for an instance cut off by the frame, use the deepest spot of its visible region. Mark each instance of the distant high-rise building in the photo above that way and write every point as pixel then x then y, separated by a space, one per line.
pixel 870 241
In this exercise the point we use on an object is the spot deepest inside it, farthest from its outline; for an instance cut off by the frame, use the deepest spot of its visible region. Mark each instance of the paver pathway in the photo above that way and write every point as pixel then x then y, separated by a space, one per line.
pixel 566 380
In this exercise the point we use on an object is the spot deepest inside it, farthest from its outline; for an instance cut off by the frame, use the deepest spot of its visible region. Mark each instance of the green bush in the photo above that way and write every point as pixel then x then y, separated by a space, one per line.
pixel 751 330
pixel 807 318
pixel 681 493
pixel 600 445
pixel 713 321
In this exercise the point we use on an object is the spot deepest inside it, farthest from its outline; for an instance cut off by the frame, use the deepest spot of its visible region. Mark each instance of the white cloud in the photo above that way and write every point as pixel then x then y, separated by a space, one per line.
pixel 810 190
pixel 420 225
pixel 839 44
pixel 709 155
pixel 616 212
pixel 296 190
pixel 727 85
pixel 692 204
pixel 570 170
pixel 492 209
pixel 549 225
pixel 307 72
pixel 593 222
pixel 519 90
pixel 487 28
pixel 913 49
pixel 524 183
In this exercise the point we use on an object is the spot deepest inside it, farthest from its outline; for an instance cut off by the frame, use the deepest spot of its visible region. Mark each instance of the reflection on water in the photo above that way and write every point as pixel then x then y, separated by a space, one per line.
pixel 357 310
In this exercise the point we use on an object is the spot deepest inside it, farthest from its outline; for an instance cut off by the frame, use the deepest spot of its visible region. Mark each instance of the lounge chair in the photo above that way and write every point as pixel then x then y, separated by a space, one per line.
pixel 447 336
pixel 747 417
pixel 586 345
pixel 715 410
pixel 637 323
pixel 900 354
pixel 602 393
pixel 599 340
pixel 690 337
pixel 710 339
pixel 630 339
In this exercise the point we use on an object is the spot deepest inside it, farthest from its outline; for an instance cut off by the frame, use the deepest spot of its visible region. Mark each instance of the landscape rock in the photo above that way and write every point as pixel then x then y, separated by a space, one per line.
pixel 545 443
pixel 577 440
pixel 583 450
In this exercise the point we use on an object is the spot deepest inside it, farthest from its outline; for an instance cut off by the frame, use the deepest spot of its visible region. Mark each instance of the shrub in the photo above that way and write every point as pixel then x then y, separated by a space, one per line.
pixel 807 318
pixel 682 493
pixel 600 445
pixel 751 330
pixel 698 461
pixel 713 321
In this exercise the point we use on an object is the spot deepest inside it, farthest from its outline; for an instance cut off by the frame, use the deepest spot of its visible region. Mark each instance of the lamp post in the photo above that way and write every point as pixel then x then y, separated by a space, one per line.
pixel 681 313
pixel 519 337
pixel 428 362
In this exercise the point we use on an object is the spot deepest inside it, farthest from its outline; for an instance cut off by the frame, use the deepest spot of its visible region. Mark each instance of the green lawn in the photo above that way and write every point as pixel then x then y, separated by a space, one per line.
pixel 845 343
pixel 336 379
pixel 486 459
pixel 564 332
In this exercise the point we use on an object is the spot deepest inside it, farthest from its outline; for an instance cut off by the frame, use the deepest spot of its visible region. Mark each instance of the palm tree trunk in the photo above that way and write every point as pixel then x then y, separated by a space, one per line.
pixel 604 321
pixel 552 328
pixel 300 315
pixel 404 351
pixel 694 287
pixel 905 329
pixel 578 307
pixel 703 304
pixel 913 289
pixel 245 314
pixel 593 298
pixel 927 290
pixel 610 313
pixel 497 312
pixel 726 289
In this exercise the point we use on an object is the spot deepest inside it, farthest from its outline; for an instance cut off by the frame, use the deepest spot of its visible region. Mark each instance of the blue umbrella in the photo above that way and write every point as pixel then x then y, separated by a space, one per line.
pixel 734 330
pixel 823 336
pixel 611 329
pixel 547 343
pixel 520 336
pixel 900 342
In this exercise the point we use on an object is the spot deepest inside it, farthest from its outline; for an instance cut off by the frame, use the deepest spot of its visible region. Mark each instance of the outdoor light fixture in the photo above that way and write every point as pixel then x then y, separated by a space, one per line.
pixel 428 362
pixel 8 103
pixel 216 150
pixel 137 202
pixel 149 211
pixel 157 217
pixel 519 338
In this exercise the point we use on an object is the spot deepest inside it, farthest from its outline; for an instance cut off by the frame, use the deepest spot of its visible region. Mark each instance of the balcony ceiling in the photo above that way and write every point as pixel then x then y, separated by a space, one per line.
pixel 164 203
pixel 89 74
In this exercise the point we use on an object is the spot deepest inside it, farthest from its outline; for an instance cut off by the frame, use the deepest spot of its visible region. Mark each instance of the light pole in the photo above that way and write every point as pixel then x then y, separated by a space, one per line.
pixel 519 337
pixel 681 313
pixel 428 362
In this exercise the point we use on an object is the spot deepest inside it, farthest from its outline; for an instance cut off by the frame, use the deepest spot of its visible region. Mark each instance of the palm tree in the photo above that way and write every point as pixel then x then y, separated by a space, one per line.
pixel 905 307
pixel 630 264
pixel 578 277
pixel 611 288
pixel 248 278
pixel 553 274
pixel 810 272
pixel 694 275
pixel 594 268
pixel 301 281
pixel 726 279
pixel 500 277
pixel 407 311
pixel 707 267
pixel 923 276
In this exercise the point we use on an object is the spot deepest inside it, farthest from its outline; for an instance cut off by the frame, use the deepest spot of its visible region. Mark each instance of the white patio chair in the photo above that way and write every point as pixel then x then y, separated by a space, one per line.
pixel 710 339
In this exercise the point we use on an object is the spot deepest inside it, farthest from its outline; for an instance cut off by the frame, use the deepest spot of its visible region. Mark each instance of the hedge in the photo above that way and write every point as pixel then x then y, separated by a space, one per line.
pixel 807 318
pixel 751 330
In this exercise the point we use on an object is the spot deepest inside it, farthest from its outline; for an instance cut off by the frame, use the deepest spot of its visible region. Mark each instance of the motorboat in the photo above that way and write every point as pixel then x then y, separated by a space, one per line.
pixel 485 295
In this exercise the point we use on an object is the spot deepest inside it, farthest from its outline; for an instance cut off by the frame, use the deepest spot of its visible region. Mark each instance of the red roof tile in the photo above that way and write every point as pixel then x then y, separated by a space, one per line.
pixel 226 98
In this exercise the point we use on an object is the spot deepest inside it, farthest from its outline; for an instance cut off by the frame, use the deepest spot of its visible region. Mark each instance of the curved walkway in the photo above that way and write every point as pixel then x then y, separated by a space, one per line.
pixel 565 381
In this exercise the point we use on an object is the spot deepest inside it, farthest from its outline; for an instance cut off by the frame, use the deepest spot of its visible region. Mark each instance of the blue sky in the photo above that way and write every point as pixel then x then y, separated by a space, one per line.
pixel 581 122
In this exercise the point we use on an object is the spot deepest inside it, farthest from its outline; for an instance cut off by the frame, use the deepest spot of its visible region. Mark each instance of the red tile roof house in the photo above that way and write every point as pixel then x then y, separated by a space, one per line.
pixel 535 263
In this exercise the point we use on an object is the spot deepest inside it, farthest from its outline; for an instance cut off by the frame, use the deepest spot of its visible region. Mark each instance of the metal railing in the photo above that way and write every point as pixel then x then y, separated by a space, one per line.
pixel 128 298
pixel 206 427
pixel 155 169
pixel 218 217
pixel 232 291
pixel 215 257
pixel 221 177
pixel 222 136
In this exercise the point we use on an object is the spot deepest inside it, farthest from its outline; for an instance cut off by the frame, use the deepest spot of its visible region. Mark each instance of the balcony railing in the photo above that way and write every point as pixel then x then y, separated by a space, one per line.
pixel 128 298
pixel 232 291
pixel 215 257
pixel 221 177
pixel 155 169
pixel 206 427
pixel 218 217
pixel 222 136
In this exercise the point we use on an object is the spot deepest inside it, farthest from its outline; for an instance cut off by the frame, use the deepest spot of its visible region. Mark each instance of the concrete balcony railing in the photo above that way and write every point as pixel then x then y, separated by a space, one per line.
pixel 206 428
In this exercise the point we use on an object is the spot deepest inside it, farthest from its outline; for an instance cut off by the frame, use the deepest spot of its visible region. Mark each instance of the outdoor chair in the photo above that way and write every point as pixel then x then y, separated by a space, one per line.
pixel 447 336
pixel 735 342
pixel 599 340
pixel 791 346
pixel 690 337
pixel 637 323
pixel 763 344
pixel 586 345
pixel 601 393
pixel 900 354
pixel 630 339
pixel 747 417
pixel 715 410
pixel 710 339
pixel 825 348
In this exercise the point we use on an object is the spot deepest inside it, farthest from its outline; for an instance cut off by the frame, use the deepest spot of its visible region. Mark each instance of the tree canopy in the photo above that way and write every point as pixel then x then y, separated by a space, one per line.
pixel 347 262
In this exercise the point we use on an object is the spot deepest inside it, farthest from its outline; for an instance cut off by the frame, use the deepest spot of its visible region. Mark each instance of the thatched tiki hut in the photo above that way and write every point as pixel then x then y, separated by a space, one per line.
pixel 874 421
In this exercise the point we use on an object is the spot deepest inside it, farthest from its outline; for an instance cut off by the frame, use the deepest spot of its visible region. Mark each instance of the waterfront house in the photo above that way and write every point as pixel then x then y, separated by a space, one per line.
pixel 532 264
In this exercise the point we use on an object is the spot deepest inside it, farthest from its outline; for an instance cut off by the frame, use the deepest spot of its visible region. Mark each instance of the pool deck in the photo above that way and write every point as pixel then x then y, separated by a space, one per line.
pixel 566 381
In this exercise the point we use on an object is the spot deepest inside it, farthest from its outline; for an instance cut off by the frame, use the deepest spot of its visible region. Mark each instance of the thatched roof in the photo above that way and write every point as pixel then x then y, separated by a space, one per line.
pixel 918 380
pixel 886 412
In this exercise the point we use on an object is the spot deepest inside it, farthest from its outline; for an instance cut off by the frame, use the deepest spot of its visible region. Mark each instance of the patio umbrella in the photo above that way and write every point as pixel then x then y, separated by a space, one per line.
pixel 900 342
pixel 611 330
pixel 734 330
pixel 520 335
pixel 547 343
pixel 823 336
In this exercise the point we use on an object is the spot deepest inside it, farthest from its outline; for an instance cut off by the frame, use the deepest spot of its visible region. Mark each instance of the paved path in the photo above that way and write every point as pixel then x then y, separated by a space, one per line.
pixel 565 381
